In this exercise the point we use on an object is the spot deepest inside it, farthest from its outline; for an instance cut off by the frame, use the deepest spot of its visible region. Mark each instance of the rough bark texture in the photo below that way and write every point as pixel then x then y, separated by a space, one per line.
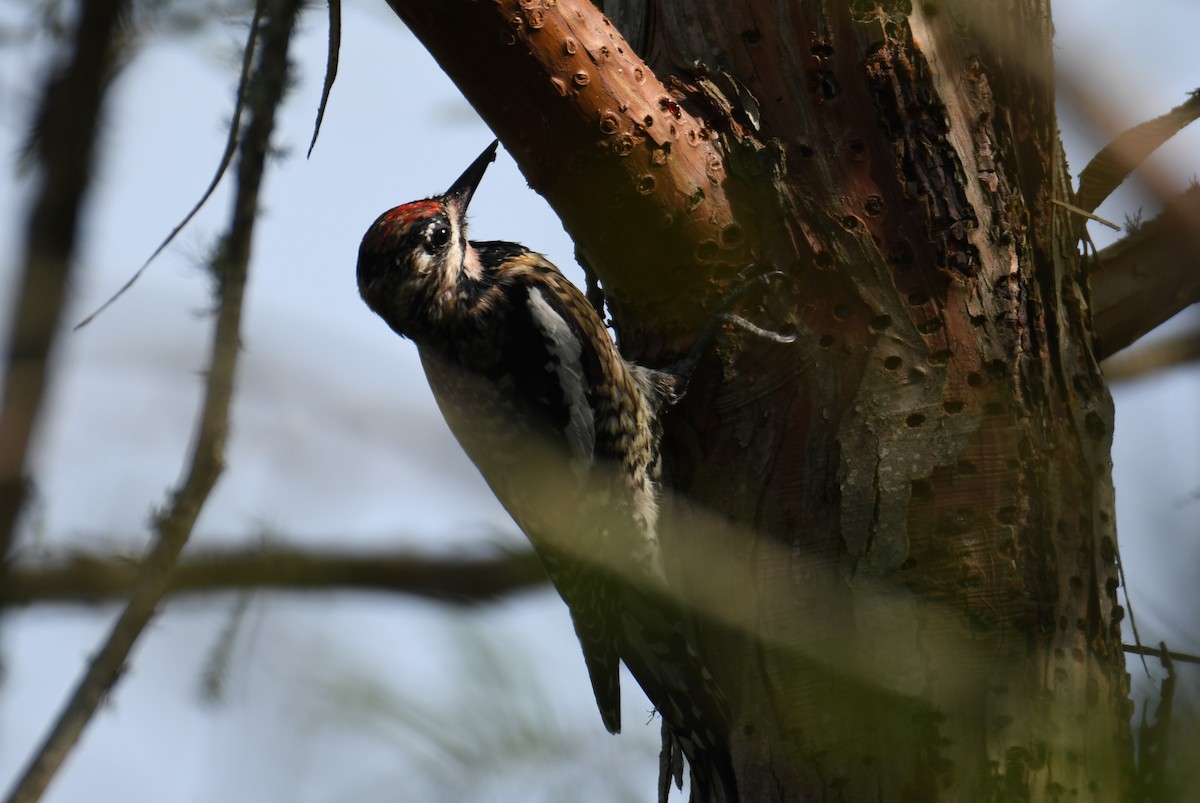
pixel 912 503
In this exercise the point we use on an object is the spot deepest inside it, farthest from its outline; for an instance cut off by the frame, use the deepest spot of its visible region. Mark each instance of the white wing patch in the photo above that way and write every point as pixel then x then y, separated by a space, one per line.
pixel 567 350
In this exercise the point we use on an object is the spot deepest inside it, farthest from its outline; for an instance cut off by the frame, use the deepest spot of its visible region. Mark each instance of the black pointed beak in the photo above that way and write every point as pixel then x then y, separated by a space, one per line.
pixel 462 189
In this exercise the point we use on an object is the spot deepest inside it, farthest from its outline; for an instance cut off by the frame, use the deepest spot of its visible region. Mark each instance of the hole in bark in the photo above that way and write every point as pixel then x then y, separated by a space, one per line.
pixel 1110 586
pixel 1094 425
pixel 823 260
pixel 826 341
pixel 975 380
pixel 953 407
pixel 1108 550
pixel 827 85
pixel 978 320
pixel 850 222
pixel 731 235
pixel 1076 585
pixel 841 312
pixel 916 374
pixel 873 206
pixel 914 420
pixel 917 299
pixel 892 363
pixel 706 251
pixel 998 369
pixel 881 322
pixel 858 151
pixel 804 150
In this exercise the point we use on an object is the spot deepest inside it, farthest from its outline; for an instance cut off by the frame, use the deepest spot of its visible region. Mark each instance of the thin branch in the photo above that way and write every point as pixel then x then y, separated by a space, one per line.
pixel 1085 213
pixel 63 143
pixel 231 145
pixel 1149 276
pixel 331 67
pixel 174 525
pixel 1161 651
pixel 91 579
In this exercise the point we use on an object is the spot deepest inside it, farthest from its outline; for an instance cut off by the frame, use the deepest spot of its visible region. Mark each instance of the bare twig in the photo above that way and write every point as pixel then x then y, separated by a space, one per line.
pixel 89 579
pixel 174 524
pixel 231 144
pixel 1163 652
pixel 331 67
pixel 1085 213
pixel 63 142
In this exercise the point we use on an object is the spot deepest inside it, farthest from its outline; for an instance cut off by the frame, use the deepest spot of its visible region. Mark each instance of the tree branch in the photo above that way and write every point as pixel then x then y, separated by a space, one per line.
pixel 1147 277
pixel 63 142
pixel 568 96
pixel 92 579
pixel 174 525
pixel 1153 357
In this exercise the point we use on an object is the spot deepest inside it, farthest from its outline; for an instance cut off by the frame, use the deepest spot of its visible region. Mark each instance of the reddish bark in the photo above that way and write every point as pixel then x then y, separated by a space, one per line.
pixel 917 596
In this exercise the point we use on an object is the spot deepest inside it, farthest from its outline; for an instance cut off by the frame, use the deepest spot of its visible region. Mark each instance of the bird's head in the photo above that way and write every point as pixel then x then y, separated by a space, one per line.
pixel 415 264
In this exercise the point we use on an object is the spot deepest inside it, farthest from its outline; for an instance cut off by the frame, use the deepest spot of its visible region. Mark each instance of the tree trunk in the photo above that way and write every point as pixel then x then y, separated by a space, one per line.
pixel 913 591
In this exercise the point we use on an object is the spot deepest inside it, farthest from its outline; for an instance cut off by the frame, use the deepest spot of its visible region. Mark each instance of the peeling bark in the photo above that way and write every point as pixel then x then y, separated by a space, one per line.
pixel 902 522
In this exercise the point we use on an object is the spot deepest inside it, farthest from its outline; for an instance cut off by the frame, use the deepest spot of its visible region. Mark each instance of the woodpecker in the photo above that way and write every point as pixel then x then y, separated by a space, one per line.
pixel 564 430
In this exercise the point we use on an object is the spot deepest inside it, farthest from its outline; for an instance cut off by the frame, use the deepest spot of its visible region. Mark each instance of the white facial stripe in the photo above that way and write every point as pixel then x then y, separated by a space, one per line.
pixel 566 348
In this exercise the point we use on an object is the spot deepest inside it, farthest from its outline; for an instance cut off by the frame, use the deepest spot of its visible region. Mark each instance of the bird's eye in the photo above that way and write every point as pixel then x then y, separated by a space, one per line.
pixel 437 236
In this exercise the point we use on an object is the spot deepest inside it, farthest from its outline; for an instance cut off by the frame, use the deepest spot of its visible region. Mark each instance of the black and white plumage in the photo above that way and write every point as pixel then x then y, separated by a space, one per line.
pixel 565 431
pixel 562 427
